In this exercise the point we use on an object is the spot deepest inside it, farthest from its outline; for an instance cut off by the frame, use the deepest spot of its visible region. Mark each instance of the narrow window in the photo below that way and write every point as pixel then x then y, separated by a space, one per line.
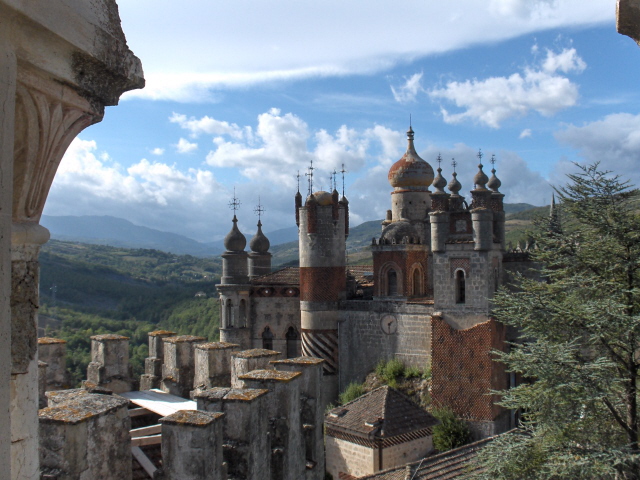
pixel 460 287
pixel 292 343
pixel 243 314
pixel 267 339
pixel 392 283
pixel 416 283
pixel 229 314
pixel 496 280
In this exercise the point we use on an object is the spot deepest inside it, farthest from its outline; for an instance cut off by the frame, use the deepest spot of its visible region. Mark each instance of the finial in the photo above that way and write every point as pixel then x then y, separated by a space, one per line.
pixel 298 177
pixel 439 182
pixel 259 210
pixel 235 203
pixel 494 182
pixel 439 160
pixel 454 164
pixel 493 163
pixel 309 176
pixel 410 122
pixel 343 171
pixel 480 155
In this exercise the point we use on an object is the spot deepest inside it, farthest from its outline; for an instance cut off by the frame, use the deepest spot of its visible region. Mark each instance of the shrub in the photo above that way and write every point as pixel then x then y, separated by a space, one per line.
pixel 353 391
pixel 412 372
pixel 451 432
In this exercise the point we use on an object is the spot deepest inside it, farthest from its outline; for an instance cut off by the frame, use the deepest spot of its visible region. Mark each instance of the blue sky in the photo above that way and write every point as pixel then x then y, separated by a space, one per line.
pixel 244 94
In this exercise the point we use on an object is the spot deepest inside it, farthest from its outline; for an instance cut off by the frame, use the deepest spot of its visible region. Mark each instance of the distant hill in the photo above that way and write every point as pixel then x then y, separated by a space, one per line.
pixel 117 232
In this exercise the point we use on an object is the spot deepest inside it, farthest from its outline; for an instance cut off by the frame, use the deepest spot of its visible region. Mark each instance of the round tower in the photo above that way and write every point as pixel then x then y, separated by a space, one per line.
pixel 322 236
pixel 259 258
pixel 234 290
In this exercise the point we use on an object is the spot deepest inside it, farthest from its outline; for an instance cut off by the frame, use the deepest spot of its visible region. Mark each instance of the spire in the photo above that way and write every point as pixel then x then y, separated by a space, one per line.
pixel 480 179
pixel 410 147
pixel 454 185
pixel 494 182
pixel 439 182
pixel 309 176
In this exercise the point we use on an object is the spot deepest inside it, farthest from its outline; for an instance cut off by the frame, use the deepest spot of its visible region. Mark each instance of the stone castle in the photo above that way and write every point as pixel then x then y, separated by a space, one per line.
pixel 426 299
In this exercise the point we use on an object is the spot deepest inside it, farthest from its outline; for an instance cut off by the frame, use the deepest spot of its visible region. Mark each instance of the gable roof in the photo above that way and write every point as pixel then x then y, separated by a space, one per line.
pixel 459 464
pixel 382 413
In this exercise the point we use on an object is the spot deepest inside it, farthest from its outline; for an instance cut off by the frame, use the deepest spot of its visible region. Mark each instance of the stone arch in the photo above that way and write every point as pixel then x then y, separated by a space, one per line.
pixel 417 280
pixel 267 338
pixel 390 280
pixel 292 337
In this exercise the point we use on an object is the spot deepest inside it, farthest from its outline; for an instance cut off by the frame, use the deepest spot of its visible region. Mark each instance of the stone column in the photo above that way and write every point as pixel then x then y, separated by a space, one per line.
pixel 109 367
pixel 213 364
pixel 249 360
pixel 179 364
pixel 311 410
pixel 53 351
pixel 153 363
pixel 283 411
pixel 86 437
pixel 246 445
pixel 192 446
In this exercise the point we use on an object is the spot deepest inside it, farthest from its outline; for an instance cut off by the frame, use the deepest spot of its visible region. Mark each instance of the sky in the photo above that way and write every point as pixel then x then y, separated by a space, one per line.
pixel 242 96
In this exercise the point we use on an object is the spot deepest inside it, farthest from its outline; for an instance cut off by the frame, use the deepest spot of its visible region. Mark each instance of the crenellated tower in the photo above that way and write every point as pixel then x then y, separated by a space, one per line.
pixel 323 228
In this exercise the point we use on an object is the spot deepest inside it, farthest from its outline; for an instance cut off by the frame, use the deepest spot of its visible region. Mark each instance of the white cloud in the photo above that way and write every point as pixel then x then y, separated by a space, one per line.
pixel 407 92
pixel 613 141
pixel 157 151
pixel 206 124
pixel 185 146
pixel 214 46
pixel 526 133
pixel 495 99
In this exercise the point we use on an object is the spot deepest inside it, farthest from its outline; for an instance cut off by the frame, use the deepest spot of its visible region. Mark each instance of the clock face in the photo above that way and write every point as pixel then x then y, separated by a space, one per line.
pixel 389 324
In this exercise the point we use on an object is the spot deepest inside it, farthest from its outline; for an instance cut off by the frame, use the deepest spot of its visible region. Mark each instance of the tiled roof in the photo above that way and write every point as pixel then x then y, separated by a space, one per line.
pixel 385 410
pixel 363 274
pixel 459 464
pixel 285 276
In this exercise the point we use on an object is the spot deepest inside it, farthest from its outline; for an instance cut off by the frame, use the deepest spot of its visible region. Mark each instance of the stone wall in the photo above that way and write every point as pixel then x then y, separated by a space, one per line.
pixel 407 452
pixel 348 457
pixel 278 311
pixel 363 341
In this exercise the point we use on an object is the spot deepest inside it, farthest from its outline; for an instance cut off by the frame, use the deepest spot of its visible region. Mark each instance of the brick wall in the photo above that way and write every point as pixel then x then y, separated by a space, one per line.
pixel 463 370
pixel 405 259
pixel 322 284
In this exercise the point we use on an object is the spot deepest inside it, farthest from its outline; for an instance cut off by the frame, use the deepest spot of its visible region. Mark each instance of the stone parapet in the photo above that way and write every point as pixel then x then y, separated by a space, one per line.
pixel 192 446
pixel 248 360
pixel 179 364
pixel 86 437
pixel 153 363
pixel 53 351
pixel 246 429
pixel 213 364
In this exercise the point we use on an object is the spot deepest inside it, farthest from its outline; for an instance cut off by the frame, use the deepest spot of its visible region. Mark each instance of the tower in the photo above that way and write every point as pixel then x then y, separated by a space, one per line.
pixel 259 258
pixel 401 255
pixel 323 221
pixel 234 289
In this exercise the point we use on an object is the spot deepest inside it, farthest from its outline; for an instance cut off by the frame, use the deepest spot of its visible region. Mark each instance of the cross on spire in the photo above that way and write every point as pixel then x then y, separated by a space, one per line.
pixel 480 155
pixel 309 176
pixel 454 164
pixel 235 203
pixel 343 171
pixel 493 163
pixel 259 210
pixel 439 160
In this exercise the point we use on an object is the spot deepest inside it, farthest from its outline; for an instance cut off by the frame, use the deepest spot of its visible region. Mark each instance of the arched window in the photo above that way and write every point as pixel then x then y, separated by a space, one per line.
pixel 460 287
pixel 292 342
pixel 229 316
pixel 417 283
pixel 243 314
pixel 392 283
pixel 267 338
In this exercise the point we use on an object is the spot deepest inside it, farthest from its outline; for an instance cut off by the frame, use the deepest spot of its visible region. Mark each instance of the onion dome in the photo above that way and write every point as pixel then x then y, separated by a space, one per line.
pixel 235 241
pixel 439 182
pixel 454 185
pixel 397 231
pixel 494 182
pixel 259 243
pixel 410 171
pixel 321 198
pixel 480 179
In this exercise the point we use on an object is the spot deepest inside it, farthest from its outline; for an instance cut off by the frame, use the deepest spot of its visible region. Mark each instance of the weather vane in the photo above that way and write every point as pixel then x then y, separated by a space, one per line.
pixel 309 174
pixel 259 210
pixel 235 203
pixel 343 171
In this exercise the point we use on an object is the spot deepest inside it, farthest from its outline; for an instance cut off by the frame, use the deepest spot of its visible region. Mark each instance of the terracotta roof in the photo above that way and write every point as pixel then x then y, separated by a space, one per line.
pixel 285 276
pixel 455 464
pixel 384 410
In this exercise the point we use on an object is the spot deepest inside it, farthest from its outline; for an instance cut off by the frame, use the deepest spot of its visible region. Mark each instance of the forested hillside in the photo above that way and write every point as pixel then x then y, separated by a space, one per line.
pixel 91 289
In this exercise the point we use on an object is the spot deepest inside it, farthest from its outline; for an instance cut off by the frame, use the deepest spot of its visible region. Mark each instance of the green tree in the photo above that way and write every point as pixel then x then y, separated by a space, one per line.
pixel 580 338
pixel 451 432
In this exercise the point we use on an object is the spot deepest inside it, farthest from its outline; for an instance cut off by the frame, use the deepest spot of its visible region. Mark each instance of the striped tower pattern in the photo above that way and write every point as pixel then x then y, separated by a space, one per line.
pixel 323 221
